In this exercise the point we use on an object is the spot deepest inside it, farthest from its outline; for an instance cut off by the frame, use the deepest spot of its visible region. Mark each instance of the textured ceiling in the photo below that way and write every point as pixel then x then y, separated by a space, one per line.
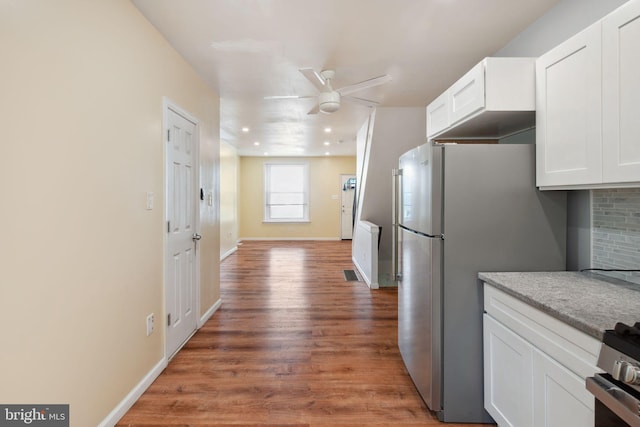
pixel 249 49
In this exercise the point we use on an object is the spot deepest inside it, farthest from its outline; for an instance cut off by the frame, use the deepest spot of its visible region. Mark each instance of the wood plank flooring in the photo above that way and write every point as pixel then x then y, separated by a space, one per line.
pixel 293 344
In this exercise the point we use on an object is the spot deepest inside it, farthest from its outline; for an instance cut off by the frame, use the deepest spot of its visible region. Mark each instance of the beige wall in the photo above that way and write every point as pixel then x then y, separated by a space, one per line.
pixel 81 259
pixel 324 210
pixel 229 163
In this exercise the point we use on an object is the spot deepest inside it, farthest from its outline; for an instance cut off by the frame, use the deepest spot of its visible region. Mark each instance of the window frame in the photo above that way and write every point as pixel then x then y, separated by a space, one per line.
pixel 266 192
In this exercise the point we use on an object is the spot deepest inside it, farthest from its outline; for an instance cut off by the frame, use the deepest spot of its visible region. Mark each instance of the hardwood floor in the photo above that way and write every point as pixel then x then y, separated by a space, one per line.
pixel 293 344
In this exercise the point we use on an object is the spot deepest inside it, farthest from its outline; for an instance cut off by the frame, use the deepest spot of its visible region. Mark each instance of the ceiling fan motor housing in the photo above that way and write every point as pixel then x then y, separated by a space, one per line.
pixel 329 102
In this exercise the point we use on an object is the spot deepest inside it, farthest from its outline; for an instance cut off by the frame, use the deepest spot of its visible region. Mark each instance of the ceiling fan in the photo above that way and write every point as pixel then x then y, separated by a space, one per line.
pixel 329 98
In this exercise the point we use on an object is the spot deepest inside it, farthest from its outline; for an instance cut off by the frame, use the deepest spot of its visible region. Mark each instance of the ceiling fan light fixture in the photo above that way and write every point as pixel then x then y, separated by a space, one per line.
pixel 329 102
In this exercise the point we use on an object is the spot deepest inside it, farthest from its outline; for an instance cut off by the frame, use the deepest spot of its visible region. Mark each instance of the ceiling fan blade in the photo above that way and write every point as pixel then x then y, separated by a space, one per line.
pixel 376 81
pixel 314 110
pixel 314 77
pixel 289 97
pixel 366 102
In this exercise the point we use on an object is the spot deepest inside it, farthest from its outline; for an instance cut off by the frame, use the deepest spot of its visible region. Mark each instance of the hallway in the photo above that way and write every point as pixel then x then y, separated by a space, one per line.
pixel 292 344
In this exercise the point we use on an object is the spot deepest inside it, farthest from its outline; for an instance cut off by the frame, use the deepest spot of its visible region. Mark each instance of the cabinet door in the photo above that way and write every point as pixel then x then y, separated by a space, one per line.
pixel 621 94
pixel 560 397
pixel 508 375
pixel 568 112
pixel 466 96
pixel 438 115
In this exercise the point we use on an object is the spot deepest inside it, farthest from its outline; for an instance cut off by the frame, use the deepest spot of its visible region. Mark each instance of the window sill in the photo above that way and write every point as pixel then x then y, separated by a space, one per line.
pixel 285 221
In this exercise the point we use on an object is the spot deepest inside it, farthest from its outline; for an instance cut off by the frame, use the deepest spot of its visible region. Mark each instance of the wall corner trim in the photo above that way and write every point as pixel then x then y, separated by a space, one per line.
pixel 228 253
pixel 121 409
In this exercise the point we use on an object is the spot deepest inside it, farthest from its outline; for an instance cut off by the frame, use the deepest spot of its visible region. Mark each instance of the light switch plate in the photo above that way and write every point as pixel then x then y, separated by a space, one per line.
pixel 149 200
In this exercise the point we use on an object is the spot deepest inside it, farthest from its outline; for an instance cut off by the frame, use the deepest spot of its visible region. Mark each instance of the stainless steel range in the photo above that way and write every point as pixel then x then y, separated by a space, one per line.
pixel 617 391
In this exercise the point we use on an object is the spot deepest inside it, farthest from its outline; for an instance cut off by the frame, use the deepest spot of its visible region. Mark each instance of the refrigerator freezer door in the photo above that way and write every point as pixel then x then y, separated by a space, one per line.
pixel 419 313
pixel 415 190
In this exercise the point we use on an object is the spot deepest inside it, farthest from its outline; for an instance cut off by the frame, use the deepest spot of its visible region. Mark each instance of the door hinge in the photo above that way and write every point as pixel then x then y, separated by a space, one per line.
pixel 168 135
pixel 169 319
pixel 169 226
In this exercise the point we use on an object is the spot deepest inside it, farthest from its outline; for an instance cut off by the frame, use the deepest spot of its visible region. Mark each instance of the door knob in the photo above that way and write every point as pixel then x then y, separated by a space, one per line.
pixel 196 236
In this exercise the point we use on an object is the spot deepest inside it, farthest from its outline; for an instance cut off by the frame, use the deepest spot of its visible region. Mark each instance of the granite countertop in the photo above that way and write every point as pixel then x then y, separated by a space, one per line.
pixel 586 301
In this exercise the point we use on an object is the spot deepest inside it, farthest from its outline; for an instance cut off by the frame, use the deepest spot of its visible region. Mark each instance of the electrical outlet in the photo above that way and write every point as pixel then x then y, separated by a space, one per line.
pixel 150 324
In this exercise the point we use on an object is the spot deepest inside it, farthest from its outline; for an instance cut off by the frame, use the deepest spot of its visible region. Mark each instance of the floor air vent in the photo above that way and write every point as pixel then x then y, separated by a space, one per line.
pixel 350 276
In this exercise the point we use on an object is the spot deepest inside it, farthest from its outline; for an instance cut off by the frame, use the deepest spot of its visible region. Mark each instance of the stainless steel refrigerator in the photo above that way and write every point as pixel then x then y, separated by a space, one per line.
pixel 461 209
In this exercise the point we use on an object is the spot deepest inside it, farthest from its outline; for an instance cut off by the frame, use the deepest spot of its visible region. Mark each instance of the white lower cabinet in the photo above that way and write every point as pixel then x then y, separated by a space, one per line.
pixel 535 366
pixel 508 376
pixel 560 398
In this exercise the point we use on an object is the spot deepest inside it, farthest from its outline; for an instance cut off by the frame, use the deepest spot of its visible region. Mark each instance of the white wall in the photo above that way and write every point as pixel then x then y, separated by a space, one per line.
pixel 324 199
pixel 564 20
pixel 394 131
pixel 229 165
pixel 82 259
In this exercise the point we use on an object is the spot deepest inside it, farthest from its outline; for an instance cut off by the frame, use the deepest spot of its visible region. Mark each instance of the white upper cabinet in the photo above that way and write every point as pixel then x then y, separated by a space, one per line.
pixel 588 104
pixel 438 114
pixel 494 99
pixel 568 124
pixel 466 96
pixel 621 94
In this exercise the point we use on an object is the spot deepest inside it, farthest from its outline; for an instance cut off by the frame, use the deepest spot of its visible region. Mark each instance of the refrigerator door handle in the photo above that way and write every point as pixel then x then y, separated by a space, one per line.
pixel 419 233
pixel 396 211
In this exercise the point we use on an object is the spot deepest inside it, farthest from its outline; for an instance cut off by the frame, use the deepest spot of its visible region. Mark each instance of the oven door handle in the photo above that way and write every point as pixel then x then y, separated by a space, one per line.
pixel 621 403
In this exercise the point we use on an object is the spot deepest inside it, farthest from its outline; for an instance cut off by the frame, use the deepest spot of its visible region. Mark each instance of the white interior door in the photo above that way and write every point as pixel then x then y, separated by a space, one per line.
pixel 348 190
pixel 181 283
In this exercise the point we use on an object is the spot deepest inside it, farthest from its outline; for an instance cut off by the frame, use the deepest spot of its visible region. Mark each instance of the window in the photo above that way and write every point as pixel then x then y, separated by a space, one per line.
pixel 286 192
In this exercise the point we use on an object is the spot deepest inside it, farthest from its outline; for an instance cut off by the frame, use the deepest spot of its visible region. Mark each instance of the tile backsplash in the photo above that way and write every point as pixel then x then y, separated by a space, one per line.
pixel 616 231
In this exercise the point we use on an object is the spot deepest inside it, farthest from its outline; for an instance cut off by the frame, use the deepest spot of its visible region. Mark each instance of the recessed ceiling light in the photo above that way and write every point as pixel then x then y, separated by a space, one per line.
pixel 245 129
pixel 327 143
pixel 327 130
pixel 256 143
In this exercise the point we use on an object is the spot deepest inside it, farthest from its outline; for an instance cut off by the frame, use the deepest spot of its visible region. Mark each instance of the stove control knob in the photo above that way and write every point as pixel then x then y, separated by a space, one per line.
pixel 626 372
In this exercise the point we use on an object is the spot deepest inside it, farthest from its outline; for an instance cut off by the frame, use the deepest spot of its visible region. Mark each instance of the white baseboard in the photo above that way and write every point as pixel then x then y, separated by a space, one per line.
pixel 229 252
pixel 121 409
pixel 207 315
pixel 366 278
pixel 291 238
pixel 131 398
